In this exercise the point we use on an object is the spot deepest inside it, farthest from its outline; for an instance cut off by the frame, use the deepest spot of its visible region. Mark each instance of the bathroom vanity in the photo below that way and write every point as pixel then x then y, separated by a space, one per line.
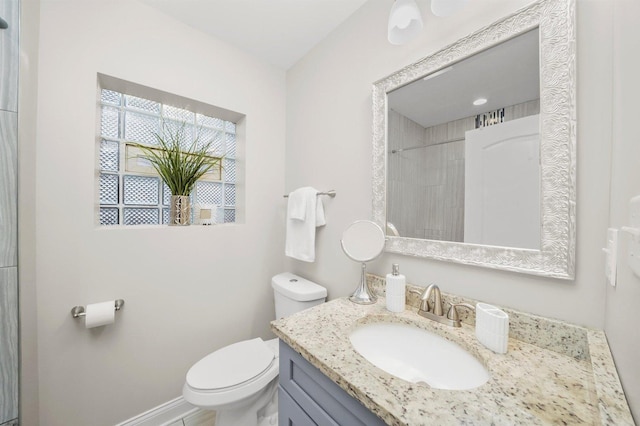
pixel 308 397
pixel 553 373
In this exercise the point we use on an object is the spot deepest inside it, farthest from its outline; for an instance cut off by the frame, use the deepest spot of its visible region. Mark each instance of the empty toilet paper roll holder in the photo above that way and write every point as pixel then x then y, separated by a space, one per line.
pixel 79 311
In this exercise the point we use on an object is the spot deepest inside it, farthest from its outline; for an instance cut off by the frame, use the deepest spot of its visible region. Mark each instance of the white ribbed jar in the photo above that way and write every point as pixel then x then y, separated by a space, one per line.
pixel 492 327
pixel 395 291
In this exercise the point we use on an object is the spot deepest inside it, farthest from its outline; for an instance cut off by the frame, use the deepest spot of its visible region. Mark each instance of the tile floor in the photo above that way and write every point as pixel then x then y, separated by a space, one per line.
pixel 199 418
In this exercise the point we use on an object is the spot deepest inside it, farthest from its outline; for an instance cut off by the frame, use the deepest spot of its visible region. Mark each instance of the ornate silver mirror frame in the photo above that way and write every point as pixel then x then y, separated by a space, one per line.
pixel 556 258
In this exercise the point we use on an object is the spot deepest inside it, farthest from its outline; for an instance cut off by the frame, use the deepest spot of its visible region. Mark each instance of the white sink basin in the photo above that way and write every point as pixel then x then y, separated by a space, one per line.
pixel 416 355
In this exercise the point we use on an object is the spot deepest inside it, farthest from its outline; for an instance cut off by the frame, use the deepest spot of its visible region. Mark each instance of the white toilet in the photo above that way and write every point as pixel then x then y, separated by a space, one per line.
pixel 240 381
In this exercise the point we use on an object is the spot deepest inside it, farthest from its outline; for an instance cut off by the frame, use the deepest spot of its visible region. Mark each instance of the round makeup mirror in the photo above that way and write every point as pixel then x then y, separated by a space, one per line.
pixel 363 241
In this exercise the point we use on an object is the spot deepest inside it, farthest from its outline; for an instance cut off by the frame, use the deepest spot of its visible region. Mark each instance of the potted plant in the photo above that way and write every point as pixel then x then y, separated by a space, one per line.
pixel 180 163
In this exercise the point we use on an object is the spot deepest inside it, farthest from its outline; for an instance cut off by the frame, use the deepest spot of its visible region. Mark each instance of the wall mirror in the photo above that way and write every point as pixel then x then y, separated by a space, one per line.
pixel 474 147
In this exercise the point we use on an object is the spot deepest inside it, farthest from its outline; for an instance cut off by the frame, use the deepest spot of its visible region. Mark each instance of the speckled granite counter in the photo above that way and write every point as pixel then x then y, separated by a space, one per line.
pixel 529 385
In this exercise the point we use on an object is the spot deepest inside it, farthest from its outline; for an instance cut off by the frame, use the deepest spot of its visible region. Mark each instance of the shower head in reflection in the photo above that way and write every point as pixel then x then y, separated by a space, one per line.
pixel 363 241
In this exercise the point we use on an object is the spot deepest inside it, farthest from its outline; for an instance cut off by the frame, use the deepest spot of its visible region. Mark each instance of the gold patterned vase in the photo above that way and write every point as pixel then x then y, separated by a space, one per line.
pixel 180 210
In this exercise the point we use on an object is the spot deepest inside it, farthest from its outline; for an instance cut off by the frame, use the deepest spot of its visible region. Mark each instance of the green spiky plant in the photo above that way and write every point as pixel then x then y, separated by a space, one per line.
pixel 179 163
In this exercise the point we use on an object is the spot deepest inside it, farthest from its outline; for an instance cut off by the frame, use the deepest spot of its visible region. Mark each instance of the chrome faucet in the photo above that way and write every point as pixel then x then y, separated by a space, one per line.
pixel 435 312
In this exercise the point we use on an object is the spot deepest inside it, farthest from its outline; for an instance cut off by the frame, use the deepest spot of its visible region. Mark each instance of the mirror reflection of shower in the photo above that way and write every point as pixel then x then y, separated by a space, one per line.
pixel 435 166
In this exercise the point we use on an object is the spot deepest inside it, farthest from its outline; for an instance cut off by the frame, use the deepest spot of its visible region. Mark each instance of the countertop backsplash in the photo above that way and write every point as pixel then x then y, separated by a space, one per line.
pixel 554 335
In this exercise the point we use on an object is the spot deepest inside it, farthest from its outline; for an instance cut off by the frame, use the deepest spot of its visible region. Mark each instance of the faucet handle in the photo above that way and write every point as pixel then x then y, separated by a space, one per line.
pixel 453 311
pixel 424 304
pixel 410 290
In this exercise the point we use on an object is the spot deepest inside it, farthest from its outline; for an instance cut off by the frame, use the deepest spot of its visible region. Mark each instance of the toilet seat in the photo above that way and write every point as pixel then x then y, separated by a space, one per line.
pixel 231 365
pixel 211 381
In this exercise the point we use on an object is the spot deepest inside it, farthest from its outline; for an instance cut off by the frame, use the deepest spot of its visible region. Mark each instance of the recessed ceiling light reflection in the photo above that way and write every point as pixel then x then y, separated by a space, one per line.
pixel 480 101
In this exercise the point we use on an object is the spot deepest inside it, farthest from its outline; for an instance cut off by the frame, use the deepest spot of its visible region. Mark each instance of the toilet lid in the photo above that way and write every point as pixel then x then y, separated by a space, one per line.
pixel 231 365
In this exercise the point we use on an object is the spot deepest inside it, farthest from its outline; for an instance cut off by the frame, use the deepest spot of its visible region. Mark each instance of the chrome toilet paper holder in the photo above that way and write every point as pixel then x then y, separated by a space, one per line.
pixel 79 311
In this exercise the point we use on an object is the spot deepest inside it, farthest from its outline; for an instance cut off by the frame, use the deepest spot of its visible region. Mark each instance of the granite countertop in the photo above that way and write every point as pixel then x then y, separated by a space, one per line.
pixel 530 384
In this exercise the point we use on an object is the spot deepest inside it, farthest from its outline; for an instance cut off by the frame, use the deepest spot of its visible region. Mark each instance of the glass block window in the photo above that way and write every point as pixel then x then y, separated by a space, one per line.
pixel 130 192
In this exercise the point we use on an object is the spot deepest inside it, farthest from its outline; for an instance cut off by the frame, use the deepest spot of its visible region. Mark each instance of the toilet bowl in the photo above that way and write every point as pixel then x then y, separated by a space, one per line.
pixel 240 381
pixel 237 381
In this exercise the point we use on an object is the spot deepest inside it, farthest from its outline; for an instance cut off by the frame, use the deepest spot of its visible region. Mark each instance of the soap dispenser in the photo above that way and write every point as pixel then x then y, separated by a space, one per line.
pixel 396 284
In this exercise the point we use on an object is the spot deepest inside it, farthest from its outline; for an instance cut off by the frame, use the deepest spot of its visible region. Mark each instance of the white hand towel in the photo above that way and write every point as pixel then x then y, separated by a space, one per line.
pixel 301 234
pixel 320 219
pixel 297 205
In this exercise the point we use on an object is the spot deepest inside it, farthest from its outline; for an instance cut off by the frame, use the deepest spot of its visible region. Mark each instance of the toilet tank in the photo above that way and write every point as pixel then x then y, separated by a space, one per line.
pixel 294 294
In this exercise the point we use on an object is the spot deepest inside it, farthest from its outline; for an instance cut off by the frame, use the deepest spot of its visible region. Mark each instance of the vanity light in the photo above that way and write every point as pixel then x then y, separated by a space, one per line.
pixel 444 8
pixel 480 101
pixel 405 22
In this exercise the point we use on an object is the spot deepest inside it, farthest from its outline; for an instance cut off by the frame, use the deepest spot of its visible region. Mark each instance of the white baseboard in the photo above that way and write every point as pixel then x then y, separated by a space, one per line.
pixel 162 415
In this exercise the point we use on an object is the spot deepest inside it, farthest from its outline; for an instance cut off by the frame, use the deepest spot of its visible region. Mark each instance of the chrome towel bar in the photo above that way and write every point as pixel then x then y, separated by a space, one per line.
pixel 331 193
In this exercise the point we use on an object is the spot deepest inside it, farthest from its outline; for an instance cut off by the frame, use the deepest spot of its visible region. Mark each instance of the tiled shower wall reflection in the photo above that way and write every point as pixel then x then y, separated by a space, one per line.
pixel 9 11
pixel 426 186
pixel 425 194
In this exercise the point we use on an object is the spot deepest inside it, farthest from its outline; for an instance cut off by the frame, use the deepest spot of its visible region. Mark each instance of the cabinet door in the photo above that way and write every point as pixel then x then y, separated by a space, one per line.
pixel 323 400
pixel 290 413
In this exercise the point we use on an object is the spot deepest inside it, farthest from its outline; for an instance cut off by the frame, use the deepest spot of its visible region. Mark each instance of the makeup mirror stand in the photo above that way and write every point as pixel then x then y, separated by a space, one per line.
pixel 363 241
pixel 363 295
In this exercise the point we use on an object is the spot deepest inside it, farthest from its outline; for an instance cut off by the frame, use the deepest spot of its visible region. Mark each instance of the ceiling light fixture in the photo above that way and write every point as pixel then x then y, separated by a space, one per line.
pixel 480 101
pixel 405 22
pixel 444 8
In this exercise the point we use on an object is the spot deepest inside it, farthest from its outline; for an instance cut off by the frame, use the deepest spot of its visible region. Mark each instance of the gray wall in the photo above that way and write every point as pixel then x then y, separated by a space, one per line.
pixel 27 114
pixel 9 11
pixel 188 291
pixel 623 301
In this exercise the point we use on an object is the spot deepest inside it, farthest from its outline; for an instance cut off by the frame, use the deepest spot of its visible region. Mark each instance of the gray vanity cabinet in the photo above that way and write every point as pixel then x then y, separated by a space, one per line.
pixel 306 397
